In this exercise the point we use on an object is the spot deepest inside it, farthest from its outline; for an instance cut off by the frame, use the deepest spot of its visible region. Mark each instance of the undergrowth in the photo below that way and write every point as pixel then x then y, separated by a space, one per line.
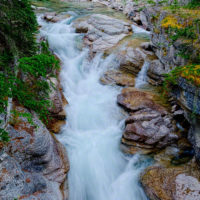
pixel 24 73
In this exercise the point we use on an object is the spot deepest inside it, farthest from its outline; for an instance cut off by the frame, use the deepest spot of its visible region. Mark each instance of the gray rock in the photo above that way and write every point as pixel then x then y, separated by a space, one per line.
pixel 156 72
pixel 103 32
pixel 34 164
pixel 187 188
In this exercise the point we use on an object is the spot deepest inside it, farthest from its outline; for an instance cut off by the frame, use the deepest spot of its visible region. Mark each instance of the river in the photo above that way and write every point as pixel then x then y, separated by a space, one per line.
pixel 98 168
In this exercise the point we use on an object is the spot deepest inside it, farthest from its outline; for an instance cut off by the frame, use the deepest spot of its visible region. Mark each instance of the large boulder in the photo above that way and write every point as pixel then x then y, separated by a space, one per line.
pixel 34 165
pixel 102 32
pixel 118 77
pixel 177 183
pixel 131 60
pixel 149 127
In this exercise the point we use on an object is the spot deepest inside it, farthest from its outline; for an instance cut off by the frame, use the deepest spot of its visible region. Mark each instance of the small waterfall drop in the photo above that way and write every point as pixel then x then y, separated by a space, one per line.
pixel 142 76
pixel 140 32
pixel 98 169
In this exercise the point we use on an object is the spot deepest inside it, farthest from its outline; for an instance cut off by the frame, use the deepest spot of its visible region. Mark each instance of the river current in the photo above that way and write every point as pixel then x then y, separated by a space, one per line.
pixel 98 168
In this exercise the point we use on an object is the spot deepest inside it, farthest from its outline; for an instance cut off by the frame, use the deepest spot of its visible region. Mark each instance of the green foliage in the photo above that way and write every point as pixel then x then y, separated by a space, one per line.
pixel 32 88
pixel 190 72
pixel 187 32
pixel 33 92
pixel 18 26
pixel 193 4
pixel 3 135
pixel 37 66
pixel 24 75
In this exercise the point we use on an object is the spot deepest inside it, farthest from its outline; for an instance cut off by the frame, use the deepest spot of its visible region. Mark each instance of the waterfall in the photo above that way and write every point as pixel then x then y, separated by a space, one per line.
pixel 140 32
pixel 98 169
pixel 142 75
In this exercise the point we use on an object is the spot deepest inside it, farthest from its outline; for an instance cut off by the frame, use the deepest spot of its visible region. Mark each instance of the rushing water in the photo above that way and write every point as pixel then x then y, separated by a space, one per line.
pixel 98 169
pixel 141 79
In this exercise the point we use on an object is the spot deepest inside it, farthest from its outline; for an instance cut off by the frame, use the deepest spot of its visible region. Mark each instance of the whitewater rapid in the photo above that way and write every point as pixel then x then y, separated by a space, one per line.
pixel 98 169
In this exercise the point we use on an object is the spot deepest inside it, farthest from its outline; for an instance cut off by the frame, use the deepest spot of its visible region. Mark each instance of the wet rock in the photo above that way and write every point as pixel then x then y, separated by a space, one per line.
pixel 166 183
pixel 57 116
pixel 53 17
pixel 146 46
pixel 55 97
pixel 118 77
pixel 34 164
pixel 131 60
pixel 103 32
pixel 149 126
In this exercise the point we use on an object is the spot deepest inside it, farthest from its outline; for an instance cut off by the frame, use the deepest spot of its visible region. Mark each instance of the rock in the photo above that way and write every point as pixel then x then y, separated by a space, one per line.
pixel 34 164
pixel 130 60
pixel 53 17
pixel 177 154
pixel 103 32
pixel 188 97
pixel 82 27
pixel 166 183
pixel 187 188
pixel 146 46
pixel 168 52
pixel 194 138
pixel 156 72
pixel 149 126
pixel 118 77
pixel 57 116
pixel 134 100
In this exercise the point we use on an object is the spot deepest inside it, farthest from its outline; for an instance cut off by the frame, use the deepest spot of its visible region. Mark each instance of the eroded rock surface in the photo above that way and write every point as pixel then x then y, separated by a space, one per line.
pixel 131 60
pixel 57 112
pixel 167 183
pixel 149 126
pixel 118 77
pixel 103 32
pixel 34 164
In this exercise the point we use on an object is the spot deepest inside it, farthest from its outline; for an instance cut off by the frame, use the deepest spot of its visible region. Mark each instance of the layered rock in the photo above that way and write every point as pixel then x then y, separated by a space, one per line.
pixel 150 126
pixel 188 97
pixel 102 32
pixel 34 164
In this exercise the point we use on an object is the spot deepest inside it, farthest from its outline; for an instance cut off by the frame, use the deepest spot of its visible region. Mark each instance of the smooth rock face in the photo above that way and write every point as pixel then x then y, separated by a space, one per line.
pixel 35 164
pixel 103 32
pixel 177 183
pixel 130 60
pixel 149 126
pixel 118 77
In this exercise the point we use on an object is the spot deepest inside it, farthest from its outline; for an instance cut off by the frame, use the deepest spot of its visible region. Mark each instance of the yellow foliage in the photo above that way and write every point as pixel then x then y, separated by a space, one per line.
pixel 171 21
pixel 193 75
